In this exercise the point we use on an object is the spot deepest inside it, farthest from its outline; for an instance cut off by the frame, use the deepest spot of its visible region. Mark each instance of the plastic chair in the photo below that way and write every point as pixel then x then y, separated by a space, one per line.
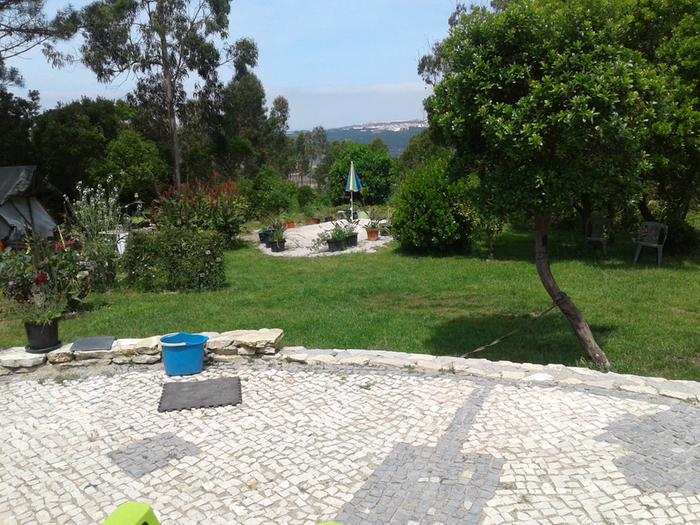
pixel 595 232
pixel 132 513
pixel 651 235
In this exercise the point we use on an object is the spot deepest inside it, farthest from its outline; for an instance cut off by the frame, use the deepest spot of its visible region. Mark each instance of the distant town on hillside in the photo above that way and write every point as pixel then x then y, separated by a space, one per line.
pixel 396 135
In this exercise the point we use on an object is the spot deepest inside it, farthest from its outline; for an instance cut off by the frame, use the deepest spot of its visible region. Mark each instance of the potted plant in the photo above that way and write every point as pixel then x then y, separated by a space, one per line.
pixel 277 240
pixel 312 215
pixel 351 233
pixel 41 284
pixel 337 238
pixel 372 230
pixel 264 235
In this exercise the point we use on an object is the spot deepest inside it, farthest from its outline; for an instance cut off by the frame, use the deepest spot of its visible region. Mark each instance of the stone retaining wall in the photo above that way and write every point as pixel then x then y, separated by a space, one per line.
pixel 221 347
pixel 240 345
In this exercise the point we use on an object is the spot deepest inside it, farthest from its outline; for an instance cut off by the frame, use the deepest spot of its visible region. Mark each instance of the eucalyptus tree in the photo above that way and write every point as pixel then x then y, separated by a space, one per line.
pixel 162 43
pixel 24 26
pixel 543 104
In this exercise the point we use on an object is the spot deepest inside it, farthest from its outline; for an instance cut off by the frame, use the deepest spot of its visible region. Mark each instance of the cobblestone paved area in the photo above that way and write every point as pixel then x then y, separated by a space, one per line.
pixel 359 445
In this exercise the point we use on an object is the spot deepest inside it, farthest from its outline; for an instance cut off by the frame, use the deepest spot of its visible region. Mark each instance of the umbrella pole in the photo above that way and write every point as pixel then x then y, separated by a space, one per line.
pixel 352 209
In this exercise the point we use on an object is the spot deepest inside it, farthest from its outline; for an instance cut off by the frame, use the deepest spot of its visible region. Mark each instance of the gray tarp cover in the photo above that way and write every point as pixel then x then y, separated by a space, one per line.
pixel 19 207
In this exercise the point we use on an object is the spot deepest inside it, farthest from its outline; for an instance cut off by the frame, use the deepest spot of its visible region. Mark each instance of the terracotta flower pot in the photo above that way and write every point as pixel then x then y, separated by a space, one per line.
pixel 290 225
pixel 372 235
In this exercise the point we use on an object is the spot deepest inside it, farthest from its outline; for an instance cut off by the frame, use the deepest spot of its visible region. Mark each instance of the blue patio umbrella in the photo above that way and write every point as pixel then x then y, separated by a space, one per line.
pixel 353 185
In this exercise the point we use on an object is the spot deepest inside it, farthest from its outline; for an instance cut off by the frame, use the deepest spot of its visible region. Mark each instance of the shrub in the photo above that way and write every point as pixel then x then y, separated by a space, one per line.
pixel 306 196
pixel 174 259
pixel 375 168
pixel 432 213
pixel 271 193
pixel 215 205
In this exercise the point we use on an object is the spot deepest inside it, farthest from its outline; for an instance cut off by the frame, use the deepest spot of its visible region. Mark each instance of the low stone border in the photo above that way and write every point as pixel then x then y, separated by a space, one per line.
pixel 526 372
pixel 240 345
pixel 221 347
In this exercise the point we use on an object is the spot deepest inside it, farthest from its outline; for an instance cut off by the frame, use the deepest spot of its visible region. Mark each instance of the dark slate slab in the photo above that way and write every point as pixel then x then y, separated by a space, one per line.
pixel 93 344
pixel 200 394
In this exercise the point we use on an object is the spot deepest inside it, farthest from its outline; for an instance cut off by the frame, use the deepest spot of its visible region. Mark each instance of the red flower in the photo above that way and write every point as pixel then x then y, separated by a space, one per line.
pixel 41 278
pixel 72 244
pixel 58 246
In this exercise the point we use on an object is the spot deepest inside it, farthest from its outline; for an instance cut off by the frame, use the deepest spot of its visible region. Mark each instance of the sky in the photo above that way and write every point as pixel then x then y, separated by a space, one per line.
pixel 338 62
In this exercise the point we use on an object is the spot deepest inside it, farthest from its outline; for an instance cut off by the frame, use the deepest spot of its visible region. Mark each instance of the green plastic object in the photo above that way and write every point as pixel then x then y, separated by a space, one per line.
pixel 132 513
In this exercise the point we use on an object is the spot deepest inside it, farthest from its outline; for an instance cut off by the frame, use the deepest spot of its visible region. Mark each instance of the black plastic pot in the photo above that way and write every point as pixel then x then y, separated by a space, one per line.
pixel 352 240
pixel 277 246
pixel 336 246
pixel 42 338
pixel 264 235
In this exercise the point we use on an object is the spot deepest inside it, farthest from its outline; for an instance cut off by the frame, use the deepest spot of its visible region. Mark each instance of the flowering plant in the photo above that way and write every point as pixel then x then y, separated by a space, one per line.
pixel 215 205
pixel 43 281
pixel 94 214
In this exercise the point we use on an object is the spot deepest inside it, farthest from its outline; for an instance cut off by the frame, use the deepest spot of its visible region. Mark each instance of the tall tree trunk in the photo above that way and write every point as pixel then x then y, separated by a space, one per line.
pixel 585 210
pixel 644 209
pixel 174 139
pixel 169 88
pixel 567 307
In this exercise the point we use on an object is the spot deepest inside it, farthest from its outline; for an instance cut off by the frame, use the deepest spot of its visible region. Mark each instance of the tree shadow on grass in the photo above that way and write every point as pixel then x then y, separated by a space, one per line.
pixel 547 340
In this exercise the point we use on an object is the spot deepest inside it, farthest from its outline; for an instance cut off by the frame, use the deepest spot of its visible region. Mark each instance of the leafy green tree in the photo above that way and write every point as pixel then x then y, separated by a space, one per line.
pixel 420 150
pixel 17 117
pixel 245 124
pixel 545 104
pixel 375 168
pixel 333 151
pixel 134 164
pixel 280 146
pixel 162 42
pixel 317 145
pixel 24 26
pixel 668 34
pixel 70 140
pixel 271 193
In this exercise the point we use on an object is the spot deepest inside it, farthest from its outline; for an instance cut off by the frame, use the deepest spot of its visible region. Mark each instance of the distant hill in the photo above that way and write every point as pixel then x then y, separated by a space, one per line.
pixel 396 135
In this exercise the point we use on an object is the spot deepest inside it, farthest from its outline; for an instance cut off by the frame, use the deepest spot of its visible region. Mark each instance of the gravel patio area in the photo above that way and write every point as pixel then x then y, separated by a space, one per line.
pixel 300 241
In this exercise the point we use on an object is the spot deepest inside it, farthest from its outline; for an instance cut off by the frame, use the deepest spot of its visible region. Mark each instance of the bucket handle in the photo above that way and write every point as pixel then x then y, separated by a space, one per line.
pixel 171 345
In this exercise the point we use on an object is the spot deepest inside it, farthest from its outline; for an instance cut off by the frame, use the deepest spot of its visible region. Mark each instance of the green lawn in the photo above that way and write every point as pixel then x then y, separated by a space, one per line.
pixel 646 319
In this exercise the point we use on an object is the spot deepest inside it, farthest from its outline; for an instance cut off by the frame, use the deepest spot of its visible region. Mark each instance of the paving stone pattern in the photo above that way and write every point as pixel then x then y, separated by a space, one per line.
pixel 363 445
pixel 148 455
pixel 428 485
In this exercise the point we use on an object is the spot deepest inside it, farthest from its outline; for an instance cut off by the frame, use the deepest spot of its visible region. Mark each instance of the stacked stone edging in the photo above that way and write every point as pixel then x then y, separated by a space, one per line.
pixel 688 391
pixel 221 347
pixel 239 345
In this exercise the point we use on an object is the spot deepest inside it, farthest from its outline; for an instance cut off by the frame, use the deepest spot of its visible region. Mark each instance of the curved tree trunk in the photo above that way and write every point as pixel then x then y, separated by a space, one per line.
pixel 567 307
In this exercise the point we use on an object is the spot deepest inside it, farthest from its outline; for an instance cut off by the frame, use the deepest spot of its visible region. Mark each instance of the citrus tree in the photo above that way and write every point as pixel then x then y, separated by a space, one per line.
pixel 546 105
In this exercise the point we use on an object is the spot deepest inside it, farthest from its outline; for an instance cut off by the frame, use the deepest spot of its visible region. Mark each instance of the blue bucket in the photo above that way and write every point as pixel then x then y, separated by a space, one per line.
pixel 183 354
